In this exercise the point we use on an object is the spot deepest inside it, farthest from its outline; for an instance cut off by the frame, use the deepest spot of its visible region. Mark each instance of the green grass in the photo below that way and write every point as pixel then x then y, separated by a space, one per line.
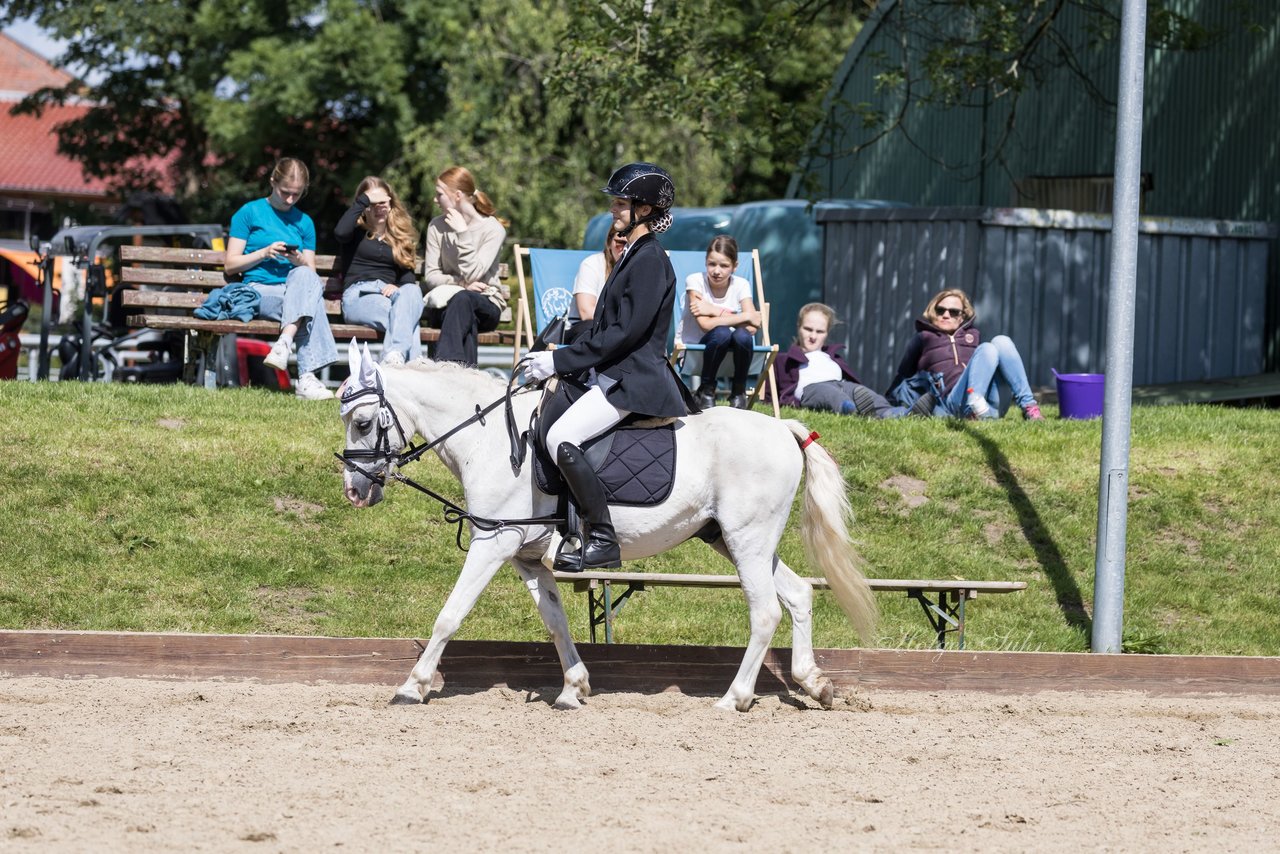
pixel 177 509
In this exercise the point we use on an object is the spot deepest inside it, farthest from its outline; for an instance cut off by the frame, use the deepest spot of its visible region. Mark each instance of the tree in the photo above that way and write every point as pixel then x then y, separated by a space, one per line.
pixel 202 95
pixel 746 81
pixel 541 156
pixel 532 95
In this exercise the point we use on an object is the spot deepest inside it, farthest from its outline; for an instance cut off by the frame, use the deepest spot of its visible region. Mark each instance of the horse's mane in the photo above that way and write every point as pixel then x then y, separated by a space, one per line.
pixel 463 375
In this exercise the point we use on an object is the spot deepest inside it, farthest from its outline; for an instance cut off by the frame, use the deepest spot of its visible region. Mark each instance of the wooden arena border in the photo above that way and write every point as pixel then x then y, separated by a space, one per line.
pixel 614 667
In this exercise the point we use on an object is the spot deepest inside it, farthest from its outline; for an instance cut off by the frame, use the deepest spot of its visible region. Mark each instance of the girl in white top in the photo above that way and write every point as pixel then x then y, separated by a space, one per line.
pixel 720 315
pixel 592 274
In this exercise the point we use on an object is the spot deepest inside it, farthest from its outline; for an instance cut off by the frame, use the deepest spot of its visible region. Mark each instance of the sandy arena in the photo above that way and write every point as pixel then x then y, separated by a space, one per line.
pixel 138 765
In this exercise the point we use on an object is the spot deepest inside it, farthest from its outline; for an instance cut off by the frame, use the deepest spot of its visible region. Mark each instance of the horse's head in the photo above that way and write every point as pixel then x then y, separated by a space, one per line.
pixel 374 434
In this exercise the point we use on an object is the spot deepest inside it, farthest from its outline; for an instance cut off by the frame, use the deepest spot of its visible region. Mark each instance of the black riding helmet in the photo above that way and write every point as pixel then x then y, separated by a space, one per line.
pixel 645 184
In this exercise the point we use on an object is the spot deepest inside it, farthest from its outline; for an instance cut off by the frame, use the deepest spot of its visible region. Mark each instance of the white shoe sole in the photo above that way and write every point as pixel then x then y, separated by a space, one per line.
pixel 314 394
pixel 271 361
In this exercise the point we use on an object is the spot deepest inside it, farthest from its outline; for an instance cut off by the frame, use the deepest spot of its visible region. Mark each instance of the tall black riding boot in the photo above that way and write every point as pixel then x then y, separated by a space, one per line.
pixel 600 550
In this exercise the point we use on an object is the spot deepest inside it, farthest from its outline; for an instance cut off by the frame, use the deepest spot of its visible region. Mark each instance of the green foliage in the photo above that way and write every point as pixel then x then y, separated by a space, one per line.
pixel 155 508
pixel 536 98
pixel 747 82
pixel 212 91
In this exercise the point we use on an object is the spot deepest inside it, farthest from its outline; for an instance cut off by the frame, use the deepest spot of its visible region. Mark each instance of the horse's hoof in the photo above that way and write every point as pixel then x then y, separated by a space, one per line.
pixel 729 704
pixel 826 694
pixel 402 700
pixel 566 704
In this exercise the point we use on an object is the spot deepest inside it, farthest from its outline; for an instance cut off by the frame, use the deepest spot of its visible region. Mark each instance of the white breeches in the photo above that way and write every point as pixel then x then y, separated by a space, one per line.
pixel 589 416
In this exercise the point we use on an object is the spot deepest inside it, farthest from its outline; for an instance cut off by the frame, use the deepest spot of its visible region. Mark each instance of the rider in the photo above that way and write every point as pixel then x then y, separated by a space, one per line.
pixel 623 354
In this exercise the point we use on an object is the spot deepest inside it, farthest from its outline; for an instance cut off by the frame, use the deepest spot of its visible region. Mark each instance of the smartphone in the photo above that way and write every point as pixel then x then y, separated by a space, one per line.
pixel 291 247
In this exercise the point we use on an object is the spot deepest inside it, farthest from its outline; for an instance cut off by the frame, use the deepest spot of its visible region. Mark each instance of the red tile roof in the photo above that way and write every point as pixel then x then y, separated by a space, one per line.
pixel 29 158
pixel 23 70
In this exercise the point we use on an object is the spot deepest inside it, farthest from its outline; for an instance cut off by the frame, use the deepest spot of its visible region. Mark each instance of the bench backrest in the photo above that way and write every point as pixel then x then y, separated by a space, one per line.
pixel 190 268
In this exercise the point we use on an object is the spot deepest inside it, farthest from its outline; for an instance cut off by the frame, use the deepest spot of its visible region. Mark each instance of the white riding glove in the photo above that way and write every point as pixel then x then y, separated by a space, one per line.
pixel 539 366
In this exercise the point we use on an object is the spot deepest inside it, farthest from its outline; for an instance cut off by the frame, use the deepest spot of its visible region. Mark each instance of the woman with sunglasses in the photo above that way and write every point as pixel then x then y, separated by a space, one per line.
pixel 272 245
pixel 948 358
pixel 378 261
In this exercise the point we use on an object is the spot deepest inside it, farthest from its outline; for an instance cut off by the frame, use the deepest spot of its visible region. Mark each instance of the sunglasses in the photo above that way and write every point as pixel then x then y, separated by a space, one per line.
pixel 943 311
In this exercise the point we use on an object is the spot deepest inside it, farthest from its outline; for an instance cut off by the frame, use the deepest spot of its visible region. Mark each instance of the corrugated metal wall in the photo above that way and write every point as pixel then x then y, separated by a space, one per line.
pixel 1211 137
pixel 1211 131
pixel 1041 278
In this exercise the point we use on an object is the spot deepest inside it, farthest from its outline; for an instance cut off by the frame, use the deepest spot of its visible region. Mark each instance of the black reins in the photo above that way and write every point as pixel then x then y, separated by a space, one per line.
pixel 453 514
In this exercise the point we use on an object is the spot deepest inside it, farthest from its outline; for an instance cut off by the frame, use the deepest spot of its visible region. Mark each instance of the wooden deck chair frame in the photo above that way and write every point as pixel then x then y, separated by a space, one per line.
pixel 527 327
pixel 767 373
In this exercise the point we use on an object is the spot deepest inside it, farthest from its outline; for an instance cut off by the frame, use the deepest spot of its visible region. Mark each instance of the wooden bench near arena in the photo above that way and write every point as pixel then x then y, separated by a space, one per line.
pixel 170 283
pixel 946 615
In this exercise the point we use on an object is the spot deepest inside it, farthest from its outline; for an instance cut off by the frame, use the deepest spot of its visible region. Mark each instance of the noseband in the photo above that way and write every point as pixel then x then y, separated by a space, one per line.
pixel 352 457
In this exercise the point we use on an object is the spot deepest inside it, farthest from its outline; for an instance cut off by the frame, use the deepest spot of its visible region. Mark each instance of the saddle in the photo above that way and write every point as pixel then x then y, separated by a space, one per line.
pixel 636 461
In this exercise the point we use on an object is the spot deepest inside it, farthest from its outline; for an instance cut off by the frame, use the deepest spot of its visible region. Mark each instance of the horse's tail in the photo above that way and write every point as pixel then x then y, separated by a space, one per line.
pixel 825 530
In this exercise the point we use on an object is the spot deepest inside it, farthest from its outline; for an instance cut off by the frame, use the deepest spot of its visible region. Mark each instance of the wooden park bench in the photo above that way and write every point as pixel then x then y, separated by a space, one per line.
pixel 946 615
pixel 170 283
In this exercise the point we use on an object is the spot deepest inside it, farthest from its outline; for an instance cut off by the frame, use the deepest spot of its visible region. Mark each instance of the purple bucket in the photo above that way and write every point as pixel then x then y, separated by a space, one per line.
pixel 1080 395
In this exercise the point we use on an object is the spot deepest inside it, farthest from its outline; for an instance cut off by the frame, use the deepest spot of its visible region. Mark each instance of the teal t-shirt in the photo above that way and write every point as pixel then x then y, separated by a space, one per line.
pixel 258 224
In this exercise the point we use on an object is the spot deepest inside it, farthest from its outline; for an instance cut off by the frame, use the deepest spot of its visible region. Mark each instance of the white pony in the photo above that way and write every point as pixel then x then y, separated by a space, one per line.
pixel 384 407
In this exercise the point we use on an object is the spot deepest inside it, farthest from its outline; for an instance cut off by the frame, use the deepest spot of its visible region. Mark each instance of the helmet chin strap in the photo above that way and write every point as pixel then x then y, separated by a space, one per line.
pixel 654 213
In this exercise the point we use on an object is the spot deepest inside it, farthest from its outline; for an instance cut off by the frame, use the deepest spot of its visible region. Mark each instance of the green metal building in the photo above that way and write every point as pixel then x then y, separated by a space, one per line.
pixel 1211 128
pixel 1211 137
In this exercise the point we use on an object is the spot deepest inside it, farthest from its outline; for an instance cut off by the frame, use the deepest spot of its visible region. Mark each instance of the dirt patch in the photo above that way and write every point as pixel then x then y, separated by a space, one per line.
pixel 171 423
pixel 302 509
pixel 139 766
pixel 994 532
pixel 909 489
pixel 283 611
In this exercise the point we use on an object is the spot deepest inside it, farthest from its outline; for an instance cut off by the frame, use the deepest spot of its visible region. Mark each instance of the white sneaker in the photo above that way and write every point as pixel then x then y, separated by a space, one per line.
pixel 278 358
pixel 392 359
pixel 978 407
pixel 310 388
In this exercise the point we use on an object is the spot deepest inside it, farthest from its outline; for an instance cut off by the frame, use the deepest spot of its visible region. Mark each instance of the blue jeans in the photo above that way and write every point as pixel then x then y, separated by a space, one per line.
pixel 838 396
pixel 396 315
pixel 300 300
pixel 718 343
pixel 992 360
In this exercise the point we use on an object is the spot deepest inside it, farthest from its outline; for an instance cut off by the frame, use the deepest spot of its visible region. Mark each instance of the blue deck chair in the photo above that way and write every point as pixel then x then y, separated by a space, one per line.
pixel 549 288
pixel 686 356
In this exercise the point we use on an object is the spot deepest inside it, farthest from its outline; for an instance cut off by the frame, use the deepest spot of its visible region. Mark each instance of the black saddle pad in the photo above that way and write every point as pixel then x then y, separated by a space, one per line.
pixel 636 465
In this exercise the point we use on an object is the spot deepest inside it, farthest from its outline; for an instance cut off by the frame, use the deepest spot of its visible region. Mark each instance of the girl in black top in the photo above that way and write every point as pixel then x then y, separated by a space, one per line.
pixel 379 259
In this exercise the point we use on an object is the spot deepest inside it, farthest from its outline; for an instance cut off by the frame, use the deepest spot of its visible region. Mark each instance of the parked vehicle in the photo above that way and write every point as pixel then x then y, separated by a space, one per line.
pixel 786 232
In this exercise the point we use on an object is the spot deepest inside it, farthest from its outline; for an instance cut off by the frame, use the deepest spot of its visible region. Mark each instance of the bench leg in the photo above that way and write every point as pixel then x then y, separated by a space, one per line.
pixel 199 359
pixel 602 608
pixel 946 616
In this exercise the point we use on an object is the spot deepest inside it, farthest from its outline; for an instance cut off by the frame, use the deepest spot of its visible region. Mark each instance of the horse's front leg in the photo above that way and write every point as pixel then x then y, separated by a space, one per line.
pixel 488 551
pixel 542 586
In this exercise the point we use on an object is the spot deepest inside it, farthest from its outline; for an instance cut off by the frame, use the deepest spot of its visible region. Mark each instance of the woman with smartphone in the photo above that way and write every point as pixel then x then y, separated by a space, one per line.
pixel 272 245
pixel 379 258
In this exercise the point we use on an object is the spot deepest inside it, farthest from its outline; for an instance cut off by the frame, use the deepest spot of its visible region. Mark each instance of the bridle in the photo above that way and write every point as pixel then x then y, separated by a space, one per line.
pixel 391 461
